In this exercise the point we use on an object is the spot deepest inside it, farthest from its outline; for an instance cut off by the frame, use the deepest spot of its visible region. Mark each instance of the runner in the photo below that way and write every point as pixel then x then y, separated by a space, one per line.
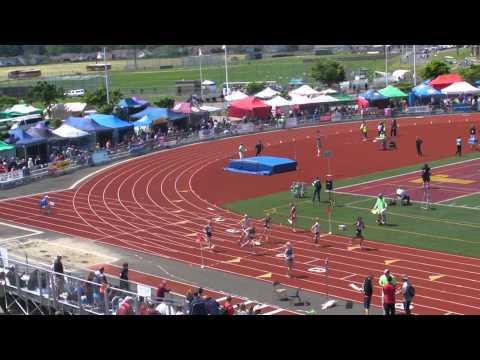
pixel 288 254
pixel 45 205
pixel 364 130
pixel 293 217
pixel 418 145
pixel 316 231
pixel 317 188
pixel 267 227
pixel 258 148
pixel 208 234
pixel 393 128
pixel 380 209
pixel 458 143
pixel 426 175
pixel 250 238
pixel 241 151
pixel 359 226
pixel 318 142
pixel 472 139
pixel 245 223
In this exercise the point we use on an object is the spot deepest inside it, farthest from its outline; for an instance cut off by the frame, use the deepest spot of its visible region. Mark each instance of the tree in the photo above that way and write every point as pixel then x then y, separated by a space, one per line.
pixel 328 72
pixel 255 87
pixel 165 102
pixel 7 101
pixel 98 98
pixel 46 93
pixel 435 68
pixel 471 73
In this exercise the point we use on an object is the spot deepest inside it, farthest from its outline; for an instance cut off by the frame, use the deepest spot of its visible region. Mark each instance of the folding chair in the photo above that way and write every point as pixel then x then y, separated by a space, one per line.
pixel 281 293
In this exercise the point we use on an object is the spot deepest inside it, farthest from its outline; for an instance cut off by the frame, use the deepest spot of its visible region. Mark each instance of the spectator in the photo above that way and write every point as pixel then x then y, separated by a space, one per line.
pixel 408 292
pixel 228 307
pixel 59 277
pixel 367 290
pixel 88 288
pixel 162 290
pixel 30 164
pixel 124 284
pixel 188 301
pixel 12 277
pixel 213 308
pixel 198 305
pixel 126 307
pixel 165 309
pixel 242 310
pixel 179 310
pixel 389 297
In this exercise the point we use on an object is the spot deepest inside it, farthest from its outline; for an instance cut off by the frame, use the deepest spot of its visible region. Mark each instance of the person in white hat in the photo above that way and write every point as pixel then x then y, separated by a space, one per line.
pixel 45 205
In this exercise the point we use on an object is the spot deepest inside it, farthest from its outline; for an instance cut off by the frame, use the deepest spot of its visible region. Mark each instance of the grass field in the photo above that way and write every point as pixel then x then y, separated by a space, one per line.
pixel 447 228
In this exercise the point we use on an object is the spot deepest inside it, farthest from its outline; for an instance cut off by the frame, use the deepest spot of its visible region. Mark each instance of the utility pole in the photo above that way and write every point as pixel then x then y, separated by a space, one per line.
pixel 106 73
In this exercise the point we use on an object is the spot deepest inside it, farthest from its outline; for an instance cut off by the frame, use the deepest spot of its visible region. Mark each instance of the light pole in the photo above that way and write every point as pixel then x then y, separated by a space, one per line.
pixel 201 75
pixel 106 73
pixel 414 67
pixel 224 47
pixel 386 65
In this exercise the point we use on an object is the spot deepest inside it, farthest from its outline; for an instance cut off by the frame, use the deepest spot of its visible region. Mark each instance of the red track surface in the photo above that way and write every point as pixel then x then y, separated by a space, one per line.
pixel 156 203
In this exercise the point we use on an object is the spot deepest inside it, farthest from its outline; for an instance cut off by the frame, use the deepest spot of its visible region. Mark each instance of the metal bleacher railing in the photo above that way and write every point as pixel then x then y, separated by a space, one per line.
pixel 37 290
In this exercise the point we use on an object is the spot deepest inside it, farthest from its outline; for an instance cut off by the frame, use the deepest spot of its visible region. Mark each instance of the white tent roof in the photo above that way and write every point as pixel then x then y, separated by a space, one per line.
pixel 209 108
pixel 236 95
pixel 461 87
pixel 75 107
pixel 267 93
pixel 208 82
pixel 278 101
pixel 304 90
pixel 328 91
pixel 67 131
pixel 399 74
pixel 300 100
pixel 22 109
pixel 324 99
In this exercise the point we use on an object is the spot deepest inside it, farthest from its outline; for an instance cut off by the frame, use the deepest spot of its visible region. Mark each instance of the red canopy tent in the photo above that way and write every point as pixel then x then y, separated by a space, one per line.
pixel 442 81
pixel 362 102
pixel 250 107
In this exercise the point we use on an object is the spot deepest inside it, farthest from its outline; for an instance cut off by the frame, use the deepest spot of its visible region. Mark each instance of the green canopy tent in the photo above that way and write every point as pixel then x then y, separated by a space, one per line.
pixel 20 110
pixel 392 92
pixel 343 97
pixel 6 150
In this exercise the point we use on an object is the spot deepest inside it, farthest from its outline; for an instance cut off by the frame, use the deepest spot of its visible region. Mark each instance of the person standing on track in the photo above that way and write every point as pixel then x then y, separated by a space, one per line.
pixel 318 143
pixel 316 231
pixel 364 130
pixel 207 230
pixel 389 297
pixel 458 143
pixel 241 151
pixel 393 128
pixel 293 217
pixel 359 226
pixel 426 176
pixel 317 188
pixel 258 148
pixel 45 205
pixel 380 208
pixel 267 227
pixel 288 254
pixel 245 223
pixel 367 290
pixel 418 145
pixel 408 292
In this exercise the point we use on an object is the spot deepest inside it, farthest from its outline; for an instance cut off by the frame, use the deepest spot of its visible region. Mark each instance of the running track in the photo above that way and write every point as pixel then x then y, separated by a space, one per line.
pixel 156 203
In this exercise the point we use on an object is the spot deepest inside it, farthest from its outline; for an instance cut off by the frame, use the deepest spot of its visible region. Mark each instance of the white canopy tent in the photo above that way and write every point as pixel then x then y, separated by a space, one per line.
pixel 304 90
pixel 22 109
pixel 67 131
pixel 278 101
pixel 236 95
pixel 400 74
pixel 208 82
pixel 267 93
pixel 461 87
pixel 210 109
pixel 76 107
pixel 328 91
pixel 322 99
pixel 300 100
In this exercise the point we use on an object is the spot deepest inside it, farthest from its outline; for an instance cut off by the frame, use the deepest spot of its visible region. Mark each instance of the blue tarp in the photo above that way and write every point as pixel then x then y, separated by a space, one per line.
pixel 20 137
pixel 110 121
pixel 425 90
pixel 372 95
pixel 144 121
pixel 261 165
pixel 85 124
pixel 155 113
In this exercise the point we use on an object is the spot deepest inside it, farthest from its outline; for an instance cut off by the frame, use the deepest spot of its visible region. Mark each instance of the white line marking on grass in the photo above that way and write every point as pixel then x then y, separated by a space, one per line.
pixel 459 197
pixel 33 232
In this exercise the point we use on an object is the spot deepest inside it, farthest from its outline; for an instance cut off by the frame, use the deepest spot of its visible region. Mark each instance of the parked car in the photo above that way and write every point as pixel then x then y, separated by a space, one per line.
pixel 75 93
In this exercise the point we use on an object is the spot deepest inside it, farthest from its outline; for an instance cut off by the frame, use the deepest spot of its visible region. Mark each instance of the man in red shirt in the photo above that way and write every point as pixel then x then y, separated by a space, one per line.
pixel 162 290
pixel 389 297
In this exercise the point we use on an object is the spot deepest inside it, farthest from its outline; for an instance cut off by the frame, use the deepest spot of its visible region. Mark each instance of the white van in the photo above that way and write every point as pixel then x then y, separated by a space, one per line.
pixel 25 122
pixel 75 93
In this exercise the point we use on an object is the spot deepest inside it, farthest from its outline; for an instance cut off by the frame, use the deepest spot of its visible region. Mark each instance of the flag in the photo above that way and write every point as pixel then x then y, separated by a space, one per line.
pixel 224 47
pixel 199 52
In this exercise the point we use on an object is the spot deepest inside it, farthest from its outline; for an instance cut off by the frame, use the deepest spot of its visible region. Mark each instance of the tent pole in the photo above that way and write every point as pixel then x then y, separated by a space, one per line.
pixel 414 68
pixel 106 73
pixel 201 75
pixel 386 66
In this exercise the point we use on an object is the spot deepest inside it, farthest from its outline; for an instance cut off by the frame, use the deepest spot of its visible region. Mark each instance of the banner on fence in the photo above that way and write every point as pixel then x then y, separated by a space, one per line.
pixel 244 128
pixel 100 157
pixel 10 176
pixel 291 122
pixel 56 166
pixel 325 118
pixel 206 134
pixel 137 149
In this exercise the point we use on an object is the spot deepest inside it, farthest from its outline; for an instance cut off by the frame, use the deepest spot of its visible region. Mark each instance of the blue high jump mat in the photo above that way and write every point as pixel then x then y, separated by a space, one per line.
pixel 261 165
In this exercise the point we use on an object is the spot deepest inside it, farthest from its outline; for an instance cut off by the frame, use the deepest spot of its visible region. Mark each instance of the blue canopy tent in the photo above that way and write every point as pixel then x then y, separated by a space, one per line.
pixel 31 146
pixel 374 98
pixel 120 127
pixel 131 106
pixel 100 133
pixel 422 94
pixel 159 115
pixel 144 121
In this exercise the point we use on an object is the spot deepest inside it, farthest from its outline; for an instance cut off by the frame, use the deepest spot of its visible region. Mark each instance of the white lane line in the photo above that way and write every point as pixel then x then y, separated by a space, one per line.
pixel 311 261
pixel 262 306
pixel 221 299
pixel 34 232
pixel 274 312
pixel 346 277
